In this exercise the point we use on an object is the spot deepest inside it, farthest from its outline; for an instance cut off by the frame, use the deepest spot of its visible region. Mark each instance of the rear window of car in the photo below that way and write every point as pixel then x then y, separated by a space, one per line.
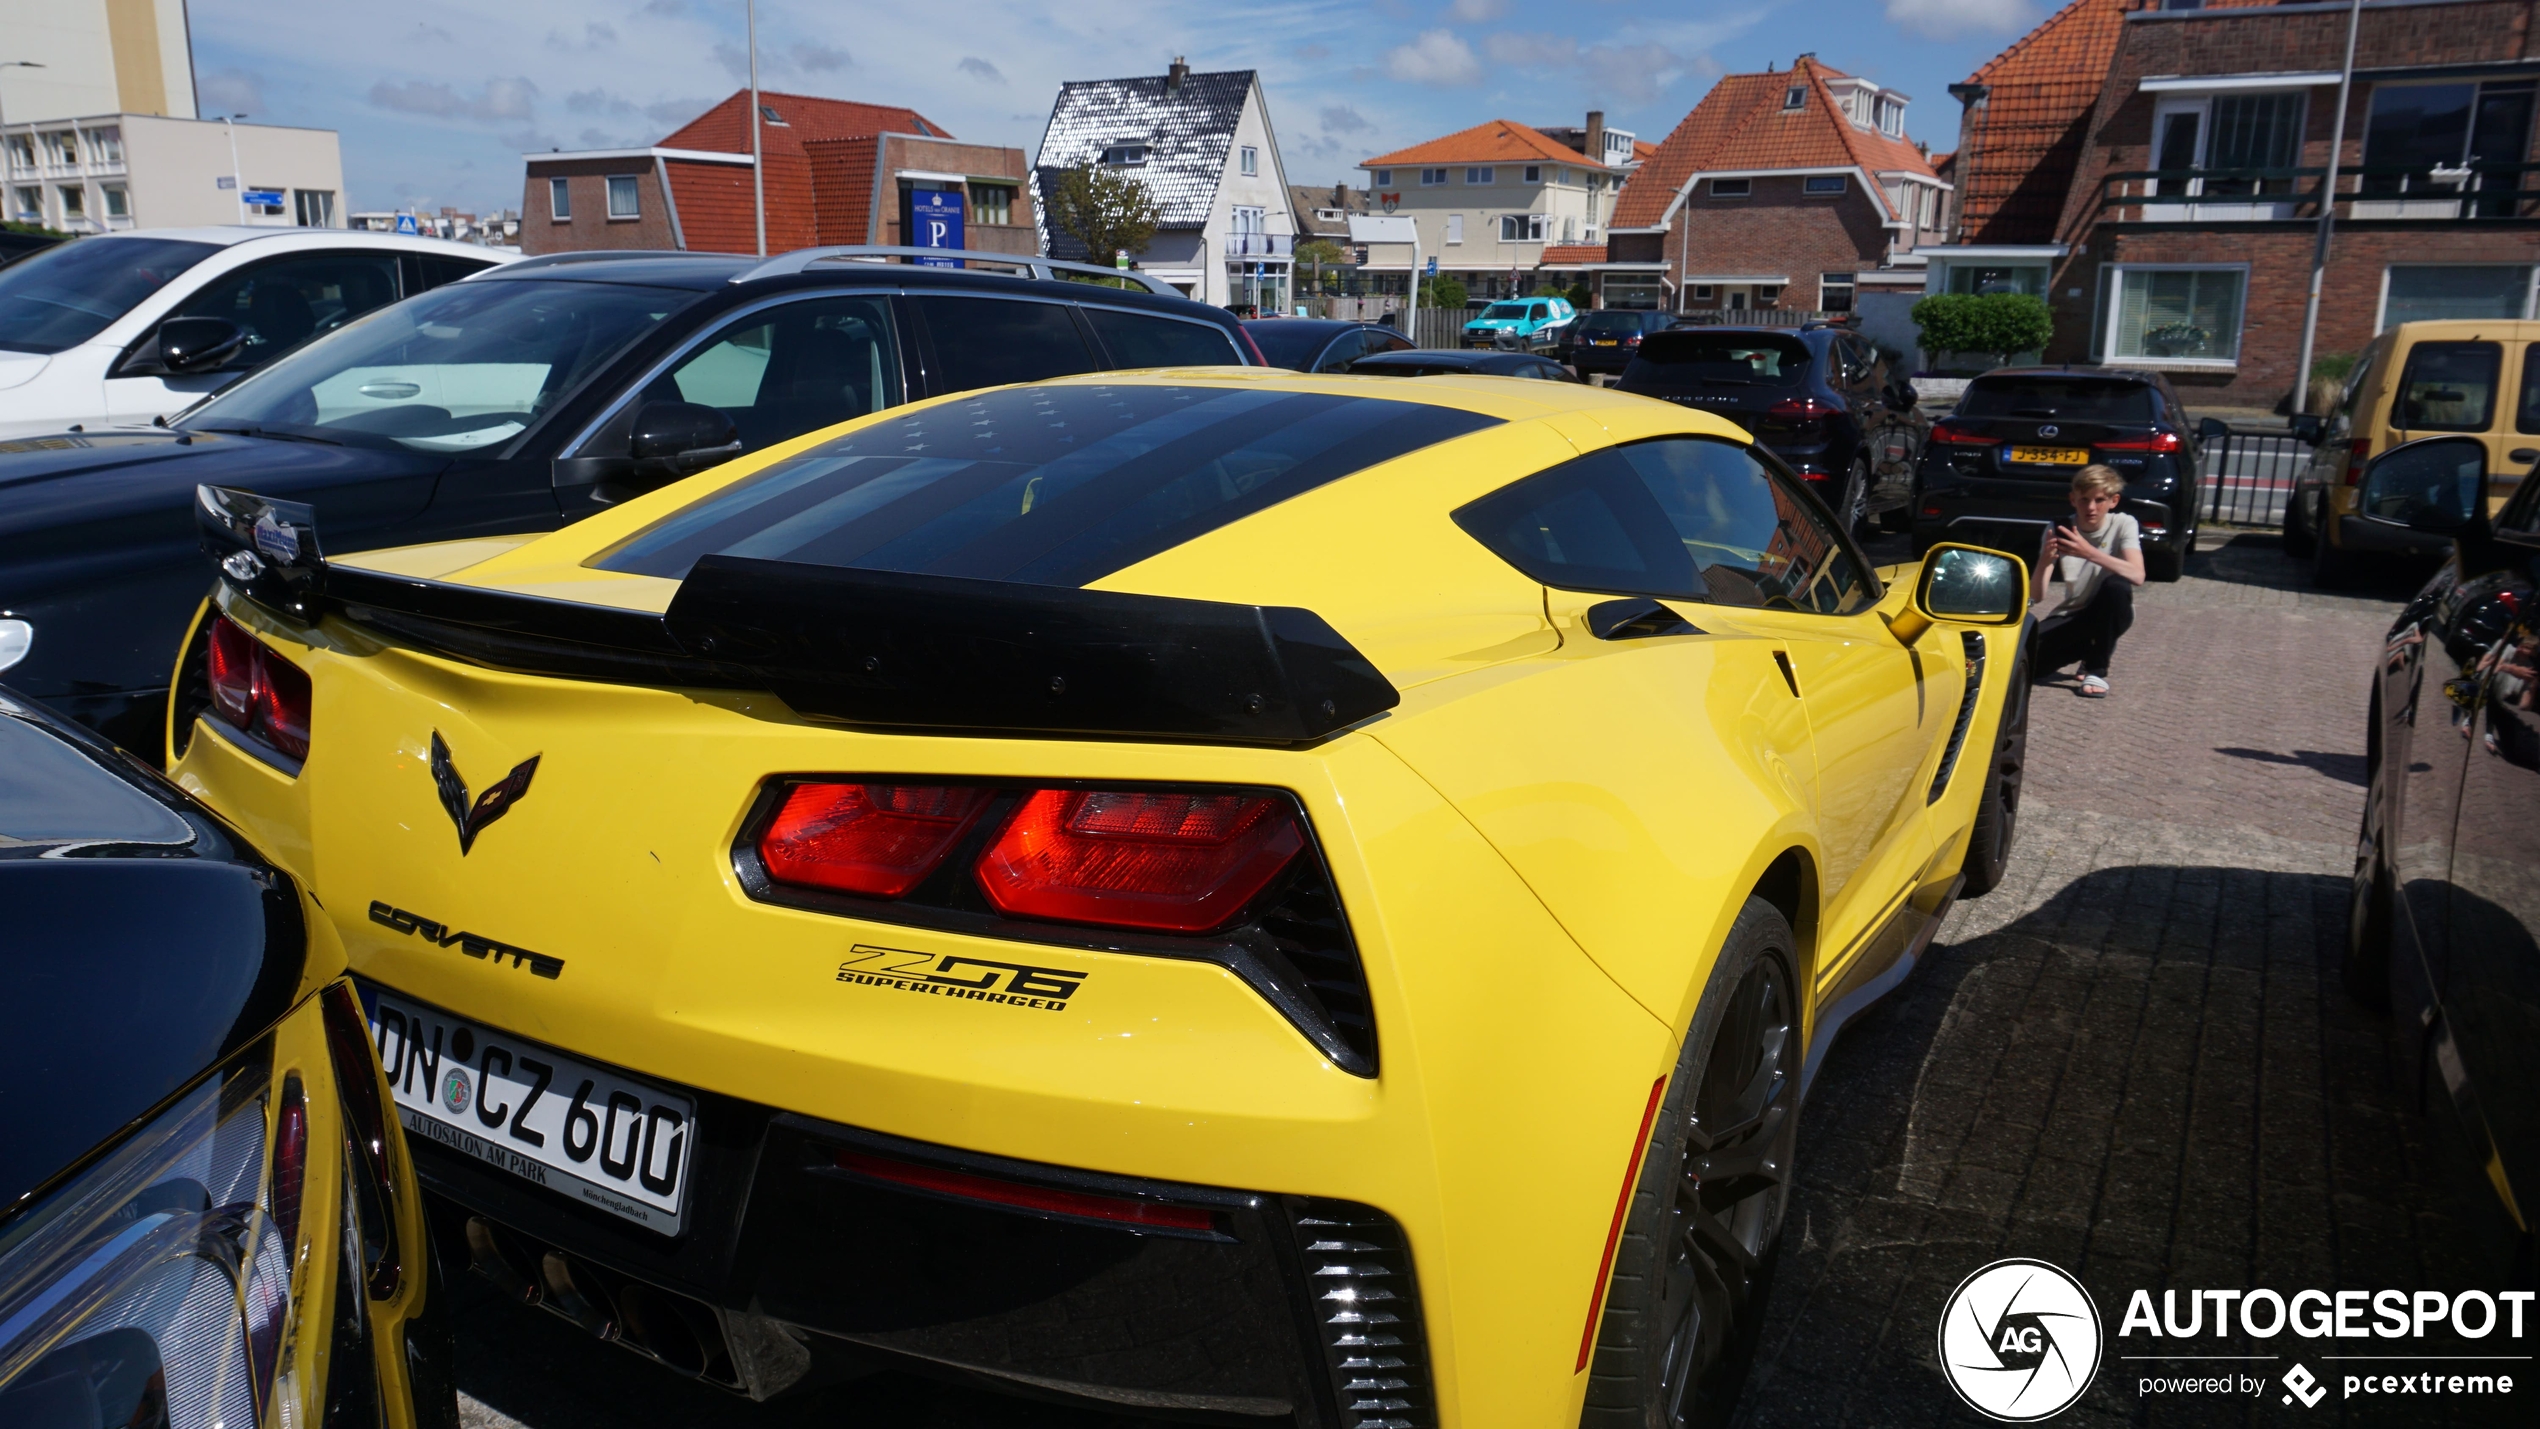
pixel 68 293
pixel 989 342
pixel 1049 485
pixel 2074 399
pixel 2448 387
pixel 1612 321
pixel 1151 340
pixel 1743 359
pixel 1291 344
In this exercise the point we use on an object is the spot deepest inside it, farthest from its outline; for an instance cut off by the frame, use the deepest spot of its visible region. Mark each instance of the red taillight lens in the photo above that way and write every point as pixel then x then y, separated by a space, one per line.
pixel 290 1161
pixel 2157 442
pixel 880 840
pixel 1087 1204
pixel 2358 452
pixel 1948 434
pixel 1175 863
pixel 1801 409
pixel 256 691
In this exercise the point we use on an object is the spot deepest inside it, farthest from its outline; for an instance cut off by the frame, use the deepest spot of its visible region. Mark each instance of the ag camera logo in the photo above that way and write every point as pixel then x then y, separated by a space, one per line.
pixel 2019 1340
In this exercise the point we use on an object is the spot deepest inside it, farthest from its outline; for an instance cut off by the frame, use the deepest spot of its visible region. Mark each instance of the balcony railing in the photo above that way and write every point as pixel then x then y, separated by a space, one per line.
pixel 1259 245
pixel 2467 194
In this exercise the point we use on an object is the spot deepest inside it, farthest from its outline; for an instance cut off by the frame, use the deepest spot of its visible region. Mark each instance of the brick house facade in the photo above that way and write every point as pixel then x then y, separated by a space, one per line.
pixel 2187 219
pixel 1789 191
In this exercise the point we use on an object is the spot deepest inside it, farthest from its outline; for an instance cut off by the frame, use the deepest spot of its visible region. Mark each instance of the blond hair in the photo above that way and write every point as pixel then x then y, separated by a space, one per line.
pixel 2099 477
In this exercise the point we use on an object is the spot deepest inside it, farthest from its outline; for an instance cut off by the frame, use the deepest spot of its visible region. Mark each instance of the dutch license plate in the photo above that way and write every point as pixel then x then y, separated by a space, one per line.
pixel 1603 341
pixel 569 1125
pixel 2052 456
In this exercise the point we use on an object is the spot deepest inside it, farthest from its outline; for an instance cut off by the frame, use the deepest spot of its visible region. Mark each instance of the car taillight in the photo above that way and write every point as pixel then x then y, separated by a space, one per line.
pixel 1631 339
pixel 2157 442
pixel 1801 409
pixel 1171 862
pixel 257 692
pixel 2358 452
pixel 1050 1200
pixel 879 840
pixel 1947 433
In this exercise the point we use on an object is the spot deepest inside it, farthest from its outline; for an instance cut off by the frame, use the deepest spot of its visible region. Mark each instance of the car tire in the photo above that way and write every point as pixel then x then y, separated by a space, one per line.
pixel 2165 563
pixel 1695 1261
pixel 2364 964
pixel 2332 567
pixel 1856 498
pixel 1997 824
pixel 2298 539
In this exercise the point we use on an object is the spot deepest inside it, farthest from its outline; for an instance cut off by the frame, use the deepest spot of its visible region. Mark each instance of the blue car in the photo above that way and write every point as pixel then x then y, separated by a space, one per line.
pixel 1524 322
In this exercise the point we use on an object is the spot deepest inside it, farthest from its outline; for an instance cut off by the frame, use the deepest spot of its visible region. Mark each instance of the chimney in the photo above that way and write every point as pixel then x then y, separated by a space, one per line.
pixel 1173 77
pixel 1596 136
pixel 1340 196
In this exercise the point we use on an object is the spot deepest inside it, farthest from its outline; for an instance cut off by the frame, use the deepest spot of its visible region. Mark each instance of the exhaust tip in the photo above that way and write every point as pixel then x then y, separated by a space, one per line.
pixel 654 1325
pixel 493 1254
pixel 575 1293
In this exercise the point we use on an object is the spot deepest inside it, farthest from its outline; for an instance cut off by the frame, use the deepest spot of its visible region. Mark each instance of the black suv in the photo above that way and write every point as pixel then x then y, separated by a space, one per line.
pixel 1604 340
pixel 1321 344
pixel 1820 397
pixel 515 401
pixel 1997 469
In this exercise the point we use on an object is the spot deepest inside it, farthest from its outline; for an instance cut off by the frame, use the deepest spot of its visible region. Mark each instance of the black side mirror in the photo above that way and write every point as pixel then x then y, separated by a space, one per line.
pixel 2308 427
pixel 196 344
pixel 684 437
pixel 2434 484
pixel 2210 429
pixel 1903 397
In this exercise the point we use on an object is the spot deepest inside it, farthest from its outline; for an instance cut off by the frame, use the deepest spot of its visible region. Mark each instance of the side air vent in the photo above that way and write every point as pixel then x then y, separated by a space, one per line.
pixel 1966 714
pixel 1366 1308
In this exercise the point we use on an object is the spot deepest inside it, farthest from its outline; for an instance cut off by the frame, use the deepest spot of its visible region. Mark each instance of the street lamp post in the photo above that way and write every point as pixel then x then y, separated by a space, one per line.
pixel 2328 215
pixel 758 160
pixel 237 180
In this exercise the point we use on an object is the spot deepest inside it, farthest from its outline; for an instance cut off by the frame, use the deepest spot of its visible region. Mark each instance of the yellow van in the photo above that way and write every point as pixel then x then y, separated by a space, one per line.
pixel 2419 379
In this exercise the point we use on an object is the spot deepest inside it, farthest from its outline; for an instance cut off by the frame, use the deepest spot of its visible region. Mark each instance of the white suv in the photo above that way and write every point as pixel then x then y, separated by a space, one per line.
pixel 123 328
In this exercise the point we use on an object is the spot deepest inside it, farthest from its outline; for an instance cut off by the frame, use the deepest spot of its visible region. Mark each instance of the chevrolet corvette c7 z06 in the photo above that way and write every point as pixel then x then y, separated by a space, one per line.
pixel 1216 890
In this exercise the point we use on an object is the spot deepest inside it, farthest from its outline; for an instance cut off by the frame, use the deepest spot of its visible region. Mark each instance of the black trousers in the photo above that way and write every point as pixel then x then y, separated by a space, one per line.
pixel 2088 635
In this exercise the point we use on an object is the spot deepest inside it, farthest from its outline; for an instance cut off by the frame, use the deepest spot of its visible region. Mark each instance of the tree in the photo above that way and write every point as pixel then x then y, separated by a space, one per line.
pixel 1319 251
pixel 1106 210
pixel 1581 296
pixel 1441 292
pixel 1996 324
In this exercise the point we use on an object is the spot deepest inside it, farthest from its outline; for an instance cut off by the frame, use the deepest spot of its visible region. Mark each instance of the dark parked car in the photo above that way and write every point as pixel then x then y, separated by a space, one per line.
pixel 1604 340
pixel 201 1179
pixel 1822 398
pixel 2444 922
pixel 1432 362
pixel 1321 344
pixel 1997 469
pixel 513 402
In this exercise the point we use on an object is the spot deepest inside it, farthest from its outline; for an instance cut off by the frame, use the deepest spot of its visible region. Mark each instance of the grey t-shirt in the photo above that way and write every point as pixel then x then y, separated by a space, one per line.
pixel 2118 535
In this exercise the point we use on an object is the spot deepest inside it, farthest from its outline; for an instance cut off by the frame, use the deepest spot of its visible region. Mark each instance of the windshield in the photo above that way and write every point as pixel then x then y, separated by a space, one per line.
pixel 1285 342
pixel 1736 359
pixel 1504 310
pixel 2088 399
pixel 1612 321
pixel 67 294
pixel 460 368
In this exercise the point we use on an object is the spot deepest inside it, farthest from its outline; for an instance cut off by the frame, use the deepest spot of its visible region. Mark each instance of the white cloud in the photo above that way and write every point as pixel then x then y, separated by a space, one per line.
pixel 973 65
pixel 1437 57
pixel 1952 19
pixel 817 58
pixel 1538 50
pixel 1343 119
pixel 1477 12
pixel 231 91
pixel 509 99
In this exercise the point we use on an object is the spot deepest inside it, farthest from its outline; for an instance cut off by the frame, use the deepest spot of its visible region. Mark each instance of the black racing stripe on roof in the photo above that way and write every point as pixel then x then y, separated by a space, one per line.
pixel 1051 485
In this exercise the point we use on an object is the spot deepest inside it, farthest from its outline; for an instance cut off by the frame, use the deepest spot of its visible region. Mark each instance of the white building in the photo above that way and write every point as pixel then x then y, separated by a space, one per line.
pixel 1203 145
pixel 1494 201
pixel 99 172
pixel 61 59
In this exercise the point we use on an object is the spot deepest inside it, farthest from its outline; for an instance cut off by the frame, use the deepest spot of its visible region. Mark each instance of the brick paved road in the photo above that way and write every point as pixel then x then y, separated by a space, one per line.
pixel 2131 1060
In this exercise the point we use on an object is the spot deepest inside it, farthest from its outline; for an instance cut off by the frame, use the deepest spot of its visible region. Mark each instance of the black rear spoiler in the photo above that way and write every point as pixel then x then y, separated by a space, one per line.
pixel 878 648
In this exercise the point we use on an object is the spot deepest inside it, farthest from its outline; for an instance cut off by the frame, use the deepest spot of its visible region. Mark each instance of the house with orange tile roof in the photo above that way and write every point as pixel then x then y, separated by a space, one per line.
pixel 2154 171
pixel 1786 192
pixel 1496 203
pixel 838 172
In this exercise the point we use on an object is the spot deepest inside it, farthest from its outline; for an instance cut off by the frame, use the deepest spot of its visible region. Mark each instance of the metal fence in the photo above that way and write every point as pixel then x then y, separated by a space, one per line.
pixel 2249 475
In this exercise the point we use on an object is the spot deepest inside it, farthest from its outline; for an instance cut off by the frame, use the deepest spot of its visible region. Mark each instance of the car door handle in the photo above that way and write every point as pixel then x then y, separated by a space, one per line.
pixel 2525 454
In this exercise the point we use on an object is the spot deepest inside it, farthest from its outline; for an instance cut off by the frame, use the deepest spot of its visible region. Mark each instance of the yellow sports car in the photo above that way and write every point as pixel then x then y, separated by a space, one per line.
pixel 1210 890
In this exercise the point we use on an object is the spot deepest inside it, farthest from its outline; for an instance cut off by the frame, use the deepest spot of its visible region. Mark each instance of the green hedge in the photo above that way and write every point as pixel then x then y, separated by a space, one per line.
pixel 1998 324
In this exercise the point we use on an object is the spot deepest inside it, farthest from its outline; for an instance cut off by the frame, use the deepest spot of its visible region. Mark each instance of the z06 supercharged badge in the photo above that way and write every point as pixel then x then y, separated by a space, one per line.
pixel 951 975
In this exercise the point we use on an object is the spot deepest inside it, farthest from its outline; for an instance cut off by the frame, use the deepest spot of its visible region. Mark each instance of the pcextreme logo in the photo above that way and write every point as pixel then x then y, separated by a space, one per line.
pixel 2019 1340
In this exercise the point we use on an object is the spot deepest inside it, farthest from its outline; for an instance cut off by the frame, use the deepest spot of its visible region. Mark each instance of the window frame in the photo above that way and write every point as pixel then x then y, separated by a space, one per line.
pixel 2112 298
pixel 1380 178
pixel 1248 160
pixel 1455 228
pixel 1850 283
pixel 1825 185
pixel 1534 173
pixel 1481 175
pixel 1745 188
pixel 2496 396
pixel 2530 296
pixel 559 187
pixel 1127 154
pixel 116 199
pixel 1433 178
pixel 1794 97
pixel 635 192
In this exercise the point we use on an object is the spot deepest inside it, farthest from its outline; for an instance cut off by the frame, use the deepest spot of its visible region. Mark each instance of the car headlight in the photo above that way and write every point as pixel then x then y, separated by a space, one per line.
pixel 180 1278
pixel 16 638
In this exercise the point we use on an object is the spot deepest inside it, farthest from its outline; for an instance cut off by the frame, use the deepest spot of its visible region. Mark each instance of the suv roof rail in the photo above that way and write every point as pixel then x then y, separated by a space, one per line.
pixel 582 255
pixel 1047 269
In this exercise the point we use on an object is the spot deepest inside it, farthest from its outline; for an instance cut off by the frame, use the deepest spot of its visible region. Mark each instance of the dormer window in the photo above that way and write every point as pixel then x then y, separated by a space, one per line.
pixel 1124 156
pixel 1796 97
pixel 768 113
pixel 1891 116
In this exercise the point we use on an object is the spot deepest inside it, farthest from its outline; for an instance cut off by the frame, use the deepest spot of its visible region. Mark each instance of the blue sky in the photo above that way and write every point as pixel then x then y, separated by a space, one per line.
pixel 436 101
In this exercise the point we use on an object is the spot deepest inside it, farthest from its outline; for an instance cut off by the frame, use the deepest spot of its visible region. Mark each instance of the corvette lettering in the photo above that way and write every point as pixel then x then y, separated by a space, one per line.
pixel 475 945
pixel 975 979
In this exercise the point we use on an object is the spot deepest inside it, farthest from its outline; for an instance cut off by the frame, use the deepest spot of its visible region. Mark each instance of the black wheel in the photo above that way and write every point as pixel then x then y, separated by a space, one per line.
pixel 1695 1262
pixel 2364 966
pixel 1998 807
pixel 2164 563
pixel 2333 568
pixel 2298 539
pixel 1856 497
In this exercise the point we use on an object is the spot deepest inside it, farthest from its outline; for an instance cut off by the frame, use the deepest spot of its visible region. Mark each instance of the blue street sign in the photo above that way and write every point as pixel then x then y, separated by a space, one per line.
pixel 269 198
pixel 406 223
pixel 934 221
pixel 1433 267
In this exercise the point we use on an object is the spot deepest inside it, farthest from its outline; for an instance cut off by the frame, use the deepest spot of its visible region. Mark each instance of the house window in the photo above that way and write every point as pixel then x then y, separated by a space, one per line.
pixel 1966 278
pixel 622 196
pixel 1478 175
pixel 74 201
pixel 992 204
pixel 2455 290
pixel 30 205
pixel 1892 117
pixel 1521 227
pixel 1834 292
pixel 1431 178
pixel 1125 156
pixel 1534 173
pixel 105 145
pixel 2227 131
pixel 1383 178
pixel 316 207
pixel 1569 230
pixel 1767 294
pixel 21 152
pixel 1825 183
pixel 1251 161
pixel 1588 234
pixel 1796 97
pixel 1705 293
pixel 1732 188
pixel 2177 314
pixel 1455 228
pixel 61 148
pixel 768 113
pixel 2423 127
pixel 118 202
pixel 559 200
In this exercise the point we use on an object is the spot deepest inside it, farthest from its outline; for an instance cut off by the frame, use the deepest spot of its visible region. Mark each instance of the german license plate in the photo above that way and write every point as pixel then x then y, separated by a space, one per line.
pixel 572 1126
pixel 2052 456
pixel 1604 341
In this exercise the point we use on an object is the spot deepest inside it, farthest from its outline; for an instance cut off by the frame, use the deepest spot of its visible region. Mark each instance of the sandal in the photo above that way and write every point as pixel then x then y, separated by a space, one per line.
pixel 2094 687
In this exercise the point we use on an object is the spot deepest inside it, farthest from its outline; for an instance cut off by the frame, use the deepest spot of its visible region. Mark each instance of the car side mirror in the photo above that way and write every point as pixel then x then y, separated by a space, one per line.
pixel 2212 429
pixel 197 344
pixel 1967 585
pixel 2434 484
pixel 2307 427
pixel 684 438
pixel 1903 397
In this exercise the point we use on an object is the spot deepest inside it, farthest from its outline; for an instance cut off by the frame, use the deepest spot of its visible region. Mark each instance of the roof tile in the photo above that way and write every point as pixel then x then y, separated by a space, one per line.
pixel 1744 124
pixel 1502 141
pixel 715 213
pixel 2029 133
pixel 1188 131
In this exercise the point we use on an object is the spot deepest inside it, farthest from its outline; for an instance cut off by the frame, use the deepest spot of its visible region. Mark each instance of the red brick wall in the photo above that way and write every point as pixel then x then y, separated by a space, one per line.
pixel 591 227
pixel 1780 229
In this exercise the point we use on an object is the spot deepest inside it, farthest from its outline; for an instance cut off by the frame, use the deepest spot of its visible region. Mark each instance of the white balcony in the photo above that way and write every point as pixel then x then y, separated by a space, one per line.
pixel 1259 245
